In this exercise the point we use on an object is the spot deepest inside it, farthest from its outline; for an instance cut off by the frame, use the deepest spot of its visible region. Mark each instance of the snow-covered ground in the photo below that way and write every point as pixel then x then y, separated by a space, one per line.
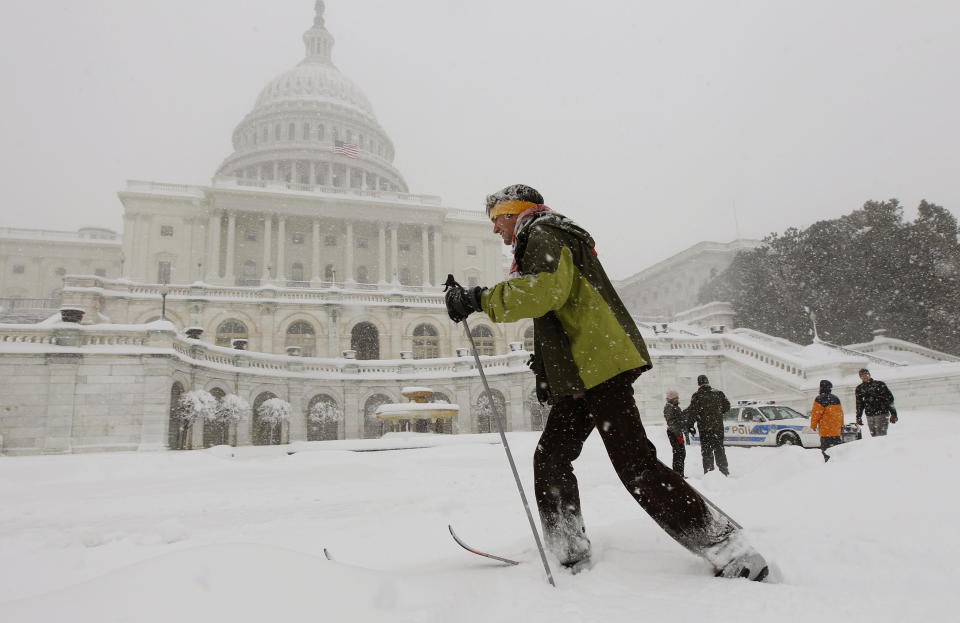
pixel 203 536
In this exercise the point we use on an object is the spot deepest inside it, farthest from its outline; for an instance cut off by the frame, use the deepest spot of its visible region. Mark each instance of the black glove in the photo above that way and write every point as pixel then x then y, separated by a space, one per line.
pixel 461 303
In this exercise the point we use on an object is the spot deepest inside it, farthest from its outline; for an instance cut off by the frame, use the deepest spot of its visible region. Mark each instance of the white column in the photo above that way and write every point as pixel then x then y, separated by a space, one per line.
pixel 213 247
pixel 395 254
pixel 437 258
pixel 228 273
pixel 425 240
pixel 147 269
pixel 382 257
pixel 281 271
pixel 267 240
pixel 348 255
pixel 315 259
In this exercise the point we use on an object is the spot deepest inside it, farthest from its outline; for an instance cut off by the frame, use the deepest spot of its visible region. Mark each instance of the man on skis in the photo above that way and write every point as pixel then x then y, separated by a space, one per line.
pixel 587 354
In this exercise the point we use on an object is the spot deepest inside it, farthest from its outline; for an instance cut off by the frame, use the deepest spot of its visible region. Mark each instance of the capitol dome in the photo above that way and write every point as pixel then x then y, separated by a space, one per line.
pixel 313 126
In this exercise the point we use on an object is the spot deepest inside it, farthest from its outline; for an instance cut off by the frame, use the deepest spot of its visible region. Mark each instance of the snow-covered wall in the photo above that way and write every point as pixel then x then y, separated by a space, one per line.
pixel 74 388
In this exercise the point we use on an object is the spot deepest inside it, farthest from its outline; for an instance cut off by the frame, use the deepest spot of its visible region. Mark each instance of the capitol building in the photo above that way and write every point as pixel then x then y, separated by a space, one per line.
pixel 306 271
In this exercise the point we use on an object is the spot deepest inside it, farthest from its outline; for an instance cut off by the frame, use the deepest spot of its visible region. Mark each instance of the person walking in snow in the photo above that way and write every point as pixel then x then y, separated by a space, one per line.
pixel 827 417
pixel 876 399
pixel 706 409
pixel 676 427
pixel 587 354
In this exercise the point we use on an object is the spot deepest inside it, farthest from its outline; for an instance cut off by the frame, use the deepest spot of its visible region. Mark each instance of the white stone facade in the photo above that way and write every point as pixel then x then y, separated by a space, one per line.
pixel 672 285
pixel 33 263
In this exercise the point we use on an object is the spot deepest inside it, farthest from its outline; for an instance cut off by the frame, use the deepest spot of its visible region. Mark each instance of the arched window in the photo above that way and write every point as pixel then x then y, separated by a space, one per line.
pixel 263 433
pixel 426 344
pixel 276 132
pixel 372 427
pixel 306 131
pixel 365 339
pixel 484 412
pixel 538 412
pixel 301 334
pixel 404 275
pixel 266 134
pixel 363 275
pixel 292 131
pixel 174 438
pixel 528 340
pixel 321 132
pixel 296 272
pixel 483 339
pixel 323 418
pixel 230 330
pixel 444 426
pixel 214 433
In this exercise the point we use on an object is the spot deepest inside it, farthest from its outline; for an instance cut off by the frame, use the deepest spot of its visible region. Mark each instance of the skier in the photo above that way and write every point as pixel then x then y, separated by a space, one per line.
pixel 876 399
pixel 676 427
pixel 587 354
pixel 827 416
pixel 706 409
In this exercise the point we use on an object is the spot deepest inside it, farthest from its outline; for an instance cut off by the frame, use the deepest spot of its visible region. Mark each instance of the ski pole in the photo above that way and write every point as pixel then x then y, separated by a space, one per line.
pixel 506 446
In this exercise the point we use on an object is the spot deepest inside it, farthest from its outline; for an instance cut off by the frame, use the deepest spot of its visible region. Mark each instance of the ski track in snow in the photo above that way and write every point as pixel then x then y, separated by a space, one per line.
pixel 196 536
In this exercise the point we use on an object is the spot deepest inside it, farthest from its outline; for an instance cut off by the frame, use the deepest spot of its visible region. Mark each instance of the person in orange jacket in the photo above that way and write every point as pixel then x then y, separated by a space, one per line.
pixel 827 416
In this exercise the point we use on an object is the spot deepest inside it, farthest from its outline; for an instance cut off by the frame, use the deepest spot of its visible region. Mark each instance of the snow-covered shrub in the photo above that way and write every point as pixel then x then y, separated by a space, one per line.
pixel 230 410
pixel 324 412
pixel 273 413
pixel 193 406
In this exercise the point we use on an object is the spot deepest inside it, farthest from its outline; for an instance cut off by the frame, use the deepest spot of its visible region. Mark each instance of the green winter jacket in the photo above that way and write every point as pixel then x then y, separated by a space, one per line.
pixel 583 334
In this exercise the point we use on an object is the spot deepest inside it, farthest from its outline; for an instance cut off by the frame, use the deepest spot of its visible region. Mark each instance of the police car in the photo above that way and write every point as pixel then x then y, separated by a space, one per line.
pixel 756 423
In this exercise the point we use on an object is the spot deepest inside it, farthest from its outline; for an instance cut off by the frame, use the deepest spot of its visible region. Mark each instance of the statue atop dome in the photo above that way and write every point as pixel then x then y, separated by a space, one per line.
pixel 319 7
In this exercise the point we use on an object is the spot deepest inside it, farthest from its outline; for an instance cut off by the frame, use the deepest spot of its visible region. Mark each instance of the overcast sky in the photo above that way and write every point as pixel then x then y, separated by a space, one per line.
pixel 654 124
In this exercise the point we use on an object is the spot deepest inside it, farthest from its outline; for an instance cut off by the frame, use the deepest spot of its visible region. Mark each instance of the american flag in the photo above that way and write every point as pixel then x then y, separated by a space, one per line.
pixel 350 150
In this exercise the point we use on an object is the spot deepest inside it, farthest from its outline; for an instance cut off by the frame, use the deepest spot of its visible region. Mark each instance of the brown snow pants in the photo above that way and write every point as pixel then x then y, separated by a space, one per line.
pixel 662 492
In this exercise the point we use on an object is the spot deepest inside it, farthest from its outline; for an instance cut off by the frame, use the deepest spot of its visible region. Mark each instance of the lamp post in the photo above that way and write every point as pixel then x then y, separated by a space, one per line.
pixel 164 290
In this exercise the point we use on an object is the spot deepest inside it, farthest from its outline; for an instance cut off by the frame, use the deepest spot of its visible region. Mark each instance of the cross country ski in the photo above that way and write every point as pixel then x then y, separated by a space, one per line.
pixel 478 552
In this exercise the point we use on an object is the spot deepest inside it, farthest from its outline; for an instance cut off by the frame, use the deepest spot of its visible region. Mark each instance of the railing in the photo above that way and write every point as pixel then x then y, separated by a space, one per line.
pixel 163 187
pixel 889 343
pixel 329 292
pixel 282 185
pixel 856 353
pixel 12 304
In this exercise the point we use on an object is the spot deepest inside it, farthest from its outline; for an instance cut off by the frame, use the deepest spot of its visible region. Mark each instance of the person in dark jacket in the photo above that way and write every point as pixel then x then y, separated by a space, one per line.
pixel 706 409
pixel 876 399
pixel 587 354
pixel 827 417
pixel 676 427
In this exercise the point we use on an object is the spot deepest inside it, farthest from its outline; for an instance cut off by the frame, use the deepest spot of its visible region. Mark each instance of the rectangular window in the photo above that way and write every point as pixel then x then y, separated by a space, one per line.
pixel 330 241
pixel 251 235
pixel 297 238
pixel 362 243
pixel 471 250
pixel 166 230
pixel 100 272
pixel 404 246
pixel 163 272
pixel 18 269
